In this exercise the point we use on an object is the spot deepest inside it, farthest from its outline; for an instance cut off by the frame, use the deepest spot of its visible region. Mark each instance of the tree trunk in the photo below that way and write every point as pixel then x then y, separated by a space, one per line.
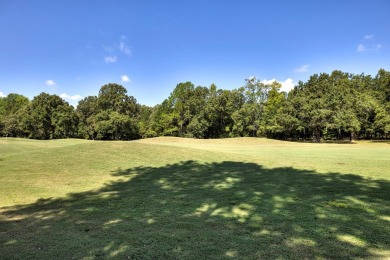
pixel 317 135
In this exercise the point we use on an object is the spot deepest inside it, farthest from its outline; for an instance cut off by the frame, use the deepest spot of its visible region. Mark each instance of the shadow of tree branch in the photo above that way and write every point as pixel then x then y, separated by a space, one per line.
pixel 200 210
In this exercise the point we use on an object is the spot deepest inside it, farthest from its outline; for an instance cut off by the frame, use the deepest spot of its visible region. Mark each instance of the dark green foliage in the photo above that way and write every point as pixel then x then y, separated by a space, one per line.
pixel 383 84
pixel 144 120
pixel 336 106
pixel 218 111
pixel 50 117
pixel 112 125
pixel 113 97
pixel 11 113
pixel 113 115
pixel 86 108
pixel 328 106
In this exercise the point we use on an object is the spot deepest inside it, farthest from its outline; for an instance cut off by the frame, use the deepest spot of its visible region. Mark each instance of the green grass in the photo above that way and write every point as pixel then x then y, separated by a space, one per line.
pixel 171 198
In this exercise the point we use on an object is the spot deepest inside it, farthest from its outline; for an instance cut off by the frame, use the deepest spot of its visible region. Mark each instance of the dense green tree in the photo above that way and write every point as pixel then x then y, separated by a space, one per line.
pixel 382 122
pixel 2 106
pixel 112 115
pixel 219 109
pixel 11 114
pixel 163 121
pixel 65 122
pixel 144 120
pixel 86 108
pixel 249 120
pixel 112 125
pixel 317 88
pixel 275 102
pixel 327 106
pixel 179 101
pixel 185 104
pixel 48 117
pixel 197 120
pixel 383 84
pixel 341 99
pixel 113 97
pixel 12 103
pixel 12 124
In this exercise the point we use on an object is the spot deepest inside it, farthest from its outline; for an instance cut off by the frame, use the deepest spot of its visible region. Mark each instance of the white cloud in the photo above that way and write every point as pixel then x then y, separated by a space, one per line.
pixel 268 82
pixel 68 97
pixel 287 85
pixel 50 83
pixel 368 36
pixel 301 69
pixel 2 94
pixel 125 78
pixel 110 59
pixel 369 47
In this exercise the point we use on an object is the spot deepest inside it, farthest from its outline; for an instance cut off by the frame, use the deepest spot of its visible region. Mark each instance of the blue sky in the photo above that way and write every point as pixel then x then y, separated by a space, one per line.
pixel 72 48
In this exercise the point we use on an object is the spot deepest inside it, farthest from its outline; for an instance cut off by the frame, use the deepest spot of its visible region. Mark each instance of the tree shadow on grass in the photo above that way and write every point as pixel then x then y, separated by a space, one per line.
pixel 385 141
pixel 199 210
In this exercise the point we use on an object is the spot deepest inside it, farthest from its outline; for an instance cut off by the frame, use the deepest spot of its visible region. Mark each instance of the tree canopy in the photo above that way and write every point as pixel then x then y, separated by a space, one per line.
pixel 327 106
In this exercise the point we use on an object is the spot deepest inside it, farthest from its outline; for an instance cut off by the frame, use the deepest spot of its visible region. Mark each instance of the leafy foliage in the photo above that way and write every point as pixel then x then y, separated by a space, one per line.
pixel 328 106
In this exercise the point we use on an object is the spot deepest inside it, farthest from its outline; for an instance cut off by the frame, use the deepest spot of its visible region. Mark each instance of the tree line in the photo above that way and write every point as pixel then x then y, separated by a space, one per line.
pixel 327 106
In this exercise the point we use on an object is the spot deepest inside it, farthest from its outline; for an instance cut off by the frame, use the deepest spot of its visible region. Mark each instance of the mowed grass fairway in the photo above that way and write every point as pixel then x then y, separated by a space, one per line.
pixel 172 198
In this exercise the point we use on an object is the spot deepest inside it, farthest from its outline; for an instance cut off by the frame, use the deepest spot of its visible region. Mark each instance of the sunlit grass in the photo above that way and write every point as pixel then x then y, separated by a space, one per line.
pixel 184 198
pixel 369 159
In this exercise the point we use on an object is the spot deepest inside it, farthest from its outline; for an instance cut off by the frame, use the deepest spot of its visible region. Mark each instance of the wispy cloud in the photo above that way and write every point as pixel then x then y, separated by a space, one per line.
pixel 108 49
pixel 361 48
pixel 50 83
pixel 110 59
pixel 125 78
pixel 301 69
pixel 368 36
pixel 68 97
pixel 2 94
pixel 368 47
pixel 114 50
pixel 123 46
pixel 287 85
